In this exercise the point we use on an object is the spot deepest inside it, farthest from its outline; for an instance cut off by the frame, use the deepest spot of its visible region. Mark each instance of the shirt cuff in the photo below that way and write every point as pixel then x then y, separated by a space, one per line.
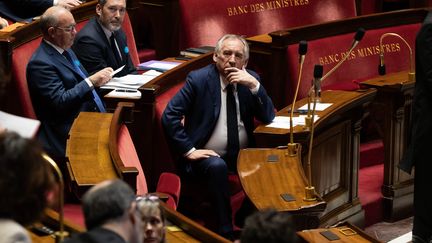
pixel 90 84
pixel 189 152
pixel 255 90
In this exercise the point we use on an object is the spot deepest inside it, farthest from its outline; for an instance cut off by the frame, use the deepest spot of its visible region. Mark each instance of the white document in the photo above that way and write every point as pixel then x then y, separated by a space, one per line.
pixel 25 127
pixel 163 66
pixel 131 81
pixel 124 93
pixel 284 121
pixel 318 107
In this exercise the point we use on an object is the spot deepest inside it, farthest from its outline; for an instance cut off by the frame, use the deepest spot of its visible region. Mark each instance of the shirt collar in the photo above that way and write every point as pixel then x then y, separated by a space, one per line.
pixel 225 84
pixel 107 32
pixel 59 49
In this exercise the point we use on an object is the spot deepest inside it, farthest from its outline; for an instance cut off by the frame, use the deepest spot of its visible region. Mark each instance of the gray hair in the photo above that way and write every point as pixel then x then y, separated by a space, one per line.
pixel 50 18
pixel 106 203
pixel 233 37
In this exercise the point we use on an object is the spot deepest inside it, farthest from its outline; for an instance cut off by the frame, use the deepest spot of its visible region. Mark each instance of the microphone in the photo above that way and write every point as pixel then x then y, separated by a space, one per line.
pixel 310 194
pixel 381 66
pixel 318 72
pixel 357 38
pixel 293 147
pixel 61 234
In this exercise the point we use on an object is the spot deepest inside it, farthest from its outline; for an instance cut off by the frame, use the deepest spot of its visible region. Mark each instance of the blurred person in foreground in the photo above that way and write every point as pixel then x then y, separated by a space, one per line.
pixel 269 226
pixel 111 215
pixel 26 181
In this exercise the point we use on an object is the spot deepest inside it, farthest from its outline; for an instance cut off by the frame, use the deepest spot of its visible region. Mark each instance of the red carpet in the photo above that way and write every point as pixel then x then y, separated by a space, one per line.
pixel 371 176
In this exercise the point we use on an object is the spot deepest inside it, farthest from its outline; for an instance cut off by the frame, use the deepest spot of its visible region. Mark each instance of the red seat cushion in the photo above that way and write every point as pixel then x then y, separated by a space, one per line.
pixel 130 158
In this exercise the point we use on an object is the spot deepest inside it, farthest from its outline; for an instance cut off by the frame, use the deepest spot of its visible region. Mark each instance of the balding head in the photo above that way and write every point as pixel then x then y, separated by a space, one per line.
pixel 58 26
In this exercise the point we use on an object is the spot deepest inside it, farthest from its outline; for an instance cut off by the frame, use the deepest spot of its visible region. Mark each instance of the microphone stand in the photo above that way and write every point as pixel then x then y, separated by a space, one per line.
pixel 317 97
pixel 293 147
pixel 61 234
pixel 411 73
pixel 310 194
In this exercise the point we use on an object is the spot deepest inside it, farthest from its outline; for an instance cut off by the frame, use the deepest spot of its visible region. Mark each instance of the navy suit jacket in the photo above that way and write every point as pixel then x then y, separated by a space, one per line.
pixel 58 94
pixel 94 50
pixel 199 101
pixel 23 10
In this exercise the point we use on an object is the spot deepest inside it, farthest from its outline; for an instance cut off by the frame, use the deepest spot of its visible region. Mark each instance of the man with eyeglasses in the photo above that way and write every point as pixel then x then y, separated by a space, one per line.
pixel 60 87
pixel 102 43
pixel 218 104
pixel 111 215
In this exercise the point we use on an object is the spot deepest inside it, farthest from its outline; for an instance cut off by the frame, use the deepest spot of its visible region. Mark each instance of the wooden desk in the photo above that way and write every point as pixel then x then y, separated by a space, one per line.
pixel 394 101
pixel 352 235
pixel 335 154
pixel 265 181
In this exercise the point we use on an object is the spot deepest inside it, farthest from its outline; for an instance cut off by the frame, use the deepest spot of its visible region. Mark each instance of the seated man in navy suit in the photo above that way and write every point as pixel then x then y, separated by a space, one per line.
pixel 218 103
pixel 60 87
pixel 102 43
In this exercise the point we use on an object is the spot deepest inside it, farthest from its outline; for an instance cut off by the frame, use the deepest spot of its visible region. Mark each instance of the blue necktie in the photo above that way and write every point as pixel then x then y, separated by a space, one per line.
pixel 75 65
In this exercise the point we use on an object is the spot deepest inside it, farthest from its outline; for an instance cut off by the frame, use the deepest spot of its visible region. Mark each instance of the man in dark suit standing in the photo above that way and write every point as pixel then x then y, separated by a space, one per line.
pixel 59 86
pixel 218 103
pixel 25 10
pixel 417 153
pixel 102 43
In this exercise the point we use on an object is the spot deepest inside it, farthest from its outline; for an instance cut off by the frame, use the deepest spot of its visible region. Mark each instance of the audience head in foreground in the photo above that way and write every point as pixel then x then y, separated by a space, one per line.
pixel 111 214
pixel 26 179
pixel 153 219
pixel 269 226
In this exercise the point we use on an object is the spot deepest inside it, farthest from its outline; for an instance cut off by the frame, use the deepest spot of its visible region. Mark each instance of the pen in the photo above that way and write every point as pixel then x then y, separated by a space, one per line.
pixel 126 90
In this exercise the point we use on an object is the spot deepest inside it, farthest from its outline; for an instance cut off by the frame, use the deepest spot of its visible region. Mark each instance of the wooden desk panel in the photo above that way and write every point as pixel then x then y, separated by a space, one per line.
pixel 335 154
pixel 394 104
pixel 358 236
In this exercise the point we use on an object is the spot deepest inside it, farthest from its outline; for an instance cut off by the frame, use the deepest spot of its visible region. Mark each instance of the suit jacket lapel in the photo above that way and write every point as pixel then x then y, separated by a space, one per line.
pixel 213 83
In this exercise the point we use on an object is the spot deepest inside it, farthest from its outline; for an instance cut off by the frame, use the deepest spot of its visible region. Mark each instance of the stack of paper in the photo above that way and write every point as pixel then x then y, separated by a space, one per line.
pixel 284 121
pixel 131 81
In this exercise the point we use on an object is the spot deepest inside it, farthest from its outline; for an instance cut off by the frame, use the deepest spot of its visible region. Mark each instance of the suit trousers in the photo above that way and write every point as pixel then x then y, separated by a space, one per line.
pixel 214 171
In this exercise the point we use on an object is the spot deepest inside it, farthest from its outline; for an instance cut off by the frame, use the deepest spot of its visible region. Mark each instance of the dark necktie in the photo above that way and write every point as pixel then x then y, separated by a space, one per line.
pixel 75 65
pixel 115 50
pixel 232 126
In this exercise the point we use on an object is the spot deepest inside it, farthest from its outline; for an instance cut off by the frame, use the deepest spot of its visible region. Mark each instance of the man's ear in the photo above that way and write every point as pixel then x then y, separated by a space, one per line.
pixel 51 31
pixel 99 9
pixel 132 213
pixel 215 57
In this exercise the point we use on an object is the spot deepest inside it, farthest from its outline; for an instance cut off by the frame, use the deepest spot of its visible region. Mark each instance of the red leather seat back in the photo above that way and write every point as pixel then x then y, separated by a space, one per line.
pixel 127 28
pixel 21 55
pixel 204 23
pixel 129 156
pixel 362 63
pixel 164 157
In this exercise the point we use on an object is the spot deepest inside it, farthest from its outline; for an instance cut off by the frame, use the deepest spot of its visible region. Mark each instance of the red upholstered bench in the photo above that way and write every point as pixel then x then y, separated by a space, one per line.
pixel 203 23
pixel 361 65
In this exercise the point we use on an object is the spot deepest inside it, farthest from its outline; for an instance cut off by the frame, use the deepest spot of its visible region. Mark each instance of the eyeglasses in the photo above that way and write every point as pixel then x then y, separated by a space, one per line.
pixel 67 29
pixel 152 198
